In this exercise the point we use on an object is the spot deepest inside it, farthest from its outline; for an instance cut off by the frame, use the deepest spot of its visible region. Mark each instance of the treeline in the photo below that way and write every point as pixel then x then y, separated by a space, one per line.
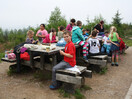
pixel 14 37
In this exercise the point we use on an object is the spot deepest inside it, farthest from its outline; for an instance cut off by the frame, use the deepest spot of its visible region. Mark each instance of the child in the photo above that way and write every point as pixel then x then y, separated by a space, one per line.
pixel 41 34
pixel 69 59
pixel 84 34
pixel 114 37
pixel 94 44
pixel 106 46
pixel 60 32
pixel 79 39
pixel 47 38
pixel 30 39
pixel 87 32
pixel 70 26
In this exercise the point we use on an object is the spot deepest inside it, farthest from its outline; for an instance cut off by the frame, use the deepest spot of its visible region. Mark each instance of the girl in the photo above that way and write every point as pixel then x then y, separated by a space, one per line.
pixel 114 37
pixel 30 39
pixel 71 25
pixel 53 39
pixel 79 39
pixel 42 32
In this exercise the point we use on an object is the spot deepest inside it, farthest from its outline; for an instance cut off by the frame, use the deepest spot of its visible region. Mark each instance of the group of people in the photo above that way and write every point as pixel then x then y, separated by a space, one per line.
pixel 74 34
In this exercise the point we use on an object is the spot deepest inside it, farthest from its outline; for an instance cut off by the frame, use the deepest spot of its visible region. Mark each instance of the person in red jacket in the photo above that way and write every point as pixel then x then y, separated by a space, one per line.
pixel 69 58
pixel 122 45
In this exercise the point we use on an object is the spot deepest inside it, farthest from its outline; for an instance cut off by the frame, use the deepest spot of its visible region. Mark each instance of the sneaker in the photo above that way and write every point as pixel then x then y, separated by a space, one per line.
pixel 112 64
pixel 52 87
pixel 116 64
pixel 85 59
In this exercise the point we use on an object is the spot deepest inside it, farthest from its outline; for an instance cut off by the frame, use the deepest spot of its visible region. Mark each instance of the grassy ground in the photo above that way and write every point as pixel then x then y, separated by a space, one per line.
pixel 128 41
pixel 1 56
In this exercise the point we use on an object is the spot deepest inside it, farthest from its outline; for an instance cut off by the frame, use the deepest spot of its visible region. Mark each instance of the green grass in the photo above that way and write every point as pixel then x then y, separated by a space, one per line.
pixel 127 41
pixel 103 71
pixel 1 56
pixel 63 93
pixel 79 95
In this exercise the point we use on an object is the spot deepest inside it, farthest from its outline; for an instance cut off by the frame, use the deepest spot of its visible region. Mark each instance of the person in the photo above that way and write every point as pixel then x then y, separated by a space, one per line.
pixel 41 33
pixel 84 34
pixel 69 59
pixel 106 46
pixel 71 25
pixel 29 39
pixel 53 38
pixel 79 39
pixel 114 38
pixel 87 32
pixel 93 44
pixel 100 28
pixel 60 32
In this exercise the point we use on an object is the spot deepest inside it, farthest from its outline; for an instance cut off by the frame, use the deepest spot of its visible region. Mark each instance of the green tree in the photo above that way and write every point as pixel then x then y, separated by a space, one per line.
pixel 117 19
pixel 56 19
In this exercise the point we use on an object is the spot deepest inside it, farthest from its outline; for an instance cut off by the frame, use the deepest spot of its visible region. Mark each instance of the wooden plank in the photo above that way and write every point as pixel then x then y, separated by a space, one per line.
pixel 42 61
pixel 98 62
pixel 87 73
pixel 31 59
pixel 8 60
pixel 109 59
pixel 72 73
pixel 99 57
pixel 70 79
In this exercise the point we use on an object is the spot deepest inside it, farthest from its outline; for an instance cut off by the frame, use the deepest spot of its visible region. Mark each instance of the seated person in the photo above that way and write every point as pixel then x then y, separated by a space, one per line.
pixel 106 46
pixel 41 33
pixel 87 32
pixel 30 39
pixel 60 32
pixel 94 44
pixel 53 38
pixel 69 59
pixel 84 34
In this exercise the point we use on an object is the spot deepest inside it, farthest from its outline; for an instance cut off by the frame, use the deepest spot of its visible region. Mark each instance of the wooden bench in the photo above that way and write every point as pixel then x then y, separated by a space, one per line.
pixel 8 60
pixel 100 60
pixel 73 77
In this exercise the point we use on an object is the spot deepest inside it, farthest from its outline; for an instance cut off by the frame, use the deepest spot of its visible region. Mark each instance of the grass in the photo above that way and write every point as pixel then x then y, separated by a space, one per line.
pixel 1 56
pixel 127 41
pixel 103 71
pixel 63 93
pixel 78 94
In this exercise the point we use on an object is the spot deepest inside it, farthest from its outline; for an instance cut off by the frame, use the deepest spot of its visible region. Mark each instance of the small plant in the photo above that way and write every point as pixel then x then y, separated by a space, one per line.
pixel 1 56
pixel 64 94
pixel 103 70
pixel 78 94
pixel 85 88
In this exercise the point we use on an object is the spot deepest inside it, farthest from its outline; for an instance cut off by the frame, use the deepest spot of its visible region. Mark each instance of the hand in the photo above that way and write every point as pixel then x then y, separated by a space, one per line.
pixel 61 52
pixel 33 41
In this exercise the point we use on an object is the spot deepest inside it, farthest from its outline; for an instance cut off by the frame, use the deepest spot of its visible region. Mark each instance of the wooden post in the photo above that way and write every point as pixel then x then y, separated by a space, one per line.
pixel 31 59
pixel 42 61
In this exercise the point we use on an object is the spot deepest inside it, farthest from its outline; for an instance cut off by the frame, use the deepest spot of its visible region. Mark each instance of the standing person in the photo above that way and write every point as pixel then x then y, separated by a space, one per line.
pixel 100 28
pixel 41 33
pixel 79 39
pixel 70 26
pixel 69 59
pixel 114 37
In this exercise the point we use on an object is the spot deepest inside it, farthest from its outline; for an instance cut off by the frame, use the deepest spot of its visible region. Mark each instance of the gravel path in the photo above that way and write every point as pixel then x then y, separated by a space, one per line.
pixel 113 85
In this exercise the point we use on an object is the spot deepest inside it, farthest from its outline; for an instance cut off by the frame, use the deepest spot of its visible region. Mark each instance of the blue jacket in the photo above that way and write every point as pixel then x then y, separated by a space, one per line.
pixel 77 35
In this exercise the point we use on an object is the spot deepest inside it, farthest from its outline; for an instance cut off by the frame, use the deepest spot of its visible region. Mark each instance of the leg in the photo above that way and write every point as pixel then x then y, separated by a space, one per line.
pixel 116 58
pixel 113 55
pixel 103 49
pixel 61 65
pixel 108 49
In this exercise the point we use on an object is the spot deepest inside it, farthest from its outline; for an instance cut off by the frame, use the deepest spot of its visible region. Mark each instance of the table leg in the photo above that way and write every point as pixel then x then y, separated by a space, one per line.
pixel 54 60
pixel 18 62
pixel 42 61
pixel 31 59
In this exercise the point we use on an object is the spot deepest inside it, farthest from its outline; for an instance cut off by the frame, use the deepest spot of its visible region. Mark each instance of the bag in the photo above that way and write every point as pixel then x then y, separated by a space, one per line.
pixel 25 56
pixel 61 42
pixel 11 56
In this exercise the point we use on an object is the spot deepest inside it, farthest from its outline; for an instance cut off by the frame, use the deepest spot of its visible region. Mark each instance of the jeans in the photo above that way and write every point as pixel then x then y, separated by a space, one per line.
pixel 105 48
pixel 101 34
pixel 61 65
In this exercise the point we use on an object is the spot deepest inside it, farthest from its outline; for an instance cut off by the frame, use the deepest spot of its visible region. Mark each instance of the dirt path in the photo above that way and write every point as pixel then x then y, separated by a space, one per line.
pixel 113 85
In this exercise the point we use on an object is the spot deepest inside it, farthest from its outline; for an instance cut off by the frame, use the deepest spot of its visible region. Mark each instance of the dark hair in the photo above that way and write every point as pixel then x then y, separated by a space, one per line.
pixel 79 23
pixel 102 22
pixel 62 28
pixel 73 20
pixel 94 33
pixel 67 32
pixel 52 30
pixel 42 25
pixel 87 30
pixel 83 30
pixel 106 32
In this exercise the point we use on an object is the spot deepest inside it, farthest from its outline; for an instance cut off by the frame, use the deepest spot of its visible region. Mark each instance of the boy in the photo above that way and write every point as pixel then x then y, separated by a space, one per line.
pixel 69 59
pixel 87 32
pixel 60 32
pixel 94 44
pixel 107 44
pixel 84 34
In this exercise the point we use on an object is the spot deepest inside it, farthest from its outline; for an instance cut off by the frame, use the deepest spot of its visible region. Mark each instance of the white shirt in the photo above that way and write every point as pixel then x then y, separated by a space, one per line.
pixel 94 45
pixel 105 38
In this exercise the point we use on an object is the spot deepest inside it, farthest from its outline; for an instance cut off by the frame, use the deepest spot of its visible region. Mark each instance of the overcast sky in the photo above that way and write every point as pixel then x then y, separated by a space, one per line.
pixel 23 13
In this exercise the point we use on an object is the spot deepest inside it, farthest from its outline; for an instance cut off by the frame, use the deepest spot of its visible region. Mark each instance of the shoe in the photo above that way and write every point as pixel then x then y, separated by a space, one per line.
pixel 112 64
pixel 116 64
pixel 52 87
pixel 85 59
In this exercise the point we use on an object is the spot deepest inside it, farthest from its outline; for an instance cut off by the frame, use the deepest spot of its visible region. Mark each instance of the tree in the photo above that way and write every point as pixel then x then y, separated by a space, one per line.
pixel 56 19
pixel 117 20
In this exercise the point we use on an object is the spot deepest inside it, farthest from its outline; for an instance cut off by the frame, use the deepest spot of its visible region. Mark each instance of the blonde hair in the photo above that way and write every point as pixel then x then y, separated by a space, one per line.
pixel 29 32
pixel 112 29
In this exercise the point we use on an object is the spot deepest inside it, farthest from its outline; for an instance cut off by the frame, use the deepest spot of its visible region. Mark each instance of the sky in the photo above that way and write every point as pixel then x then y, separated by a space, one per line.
pixel 15 14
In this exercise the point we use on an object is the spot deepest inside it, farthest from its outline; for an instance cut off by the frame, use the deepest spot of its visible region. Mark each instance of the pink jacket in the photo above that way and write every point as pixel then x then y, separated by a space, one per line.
pixel 69 27
pixel 47 39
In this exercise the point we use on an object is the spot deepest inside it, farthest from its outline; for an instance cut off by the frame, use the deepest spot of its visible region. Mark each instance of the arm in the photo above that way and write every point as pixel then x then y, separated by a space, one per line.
pixel 114 43
pixel 66 54
pixel 79 33
pixel 89 37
